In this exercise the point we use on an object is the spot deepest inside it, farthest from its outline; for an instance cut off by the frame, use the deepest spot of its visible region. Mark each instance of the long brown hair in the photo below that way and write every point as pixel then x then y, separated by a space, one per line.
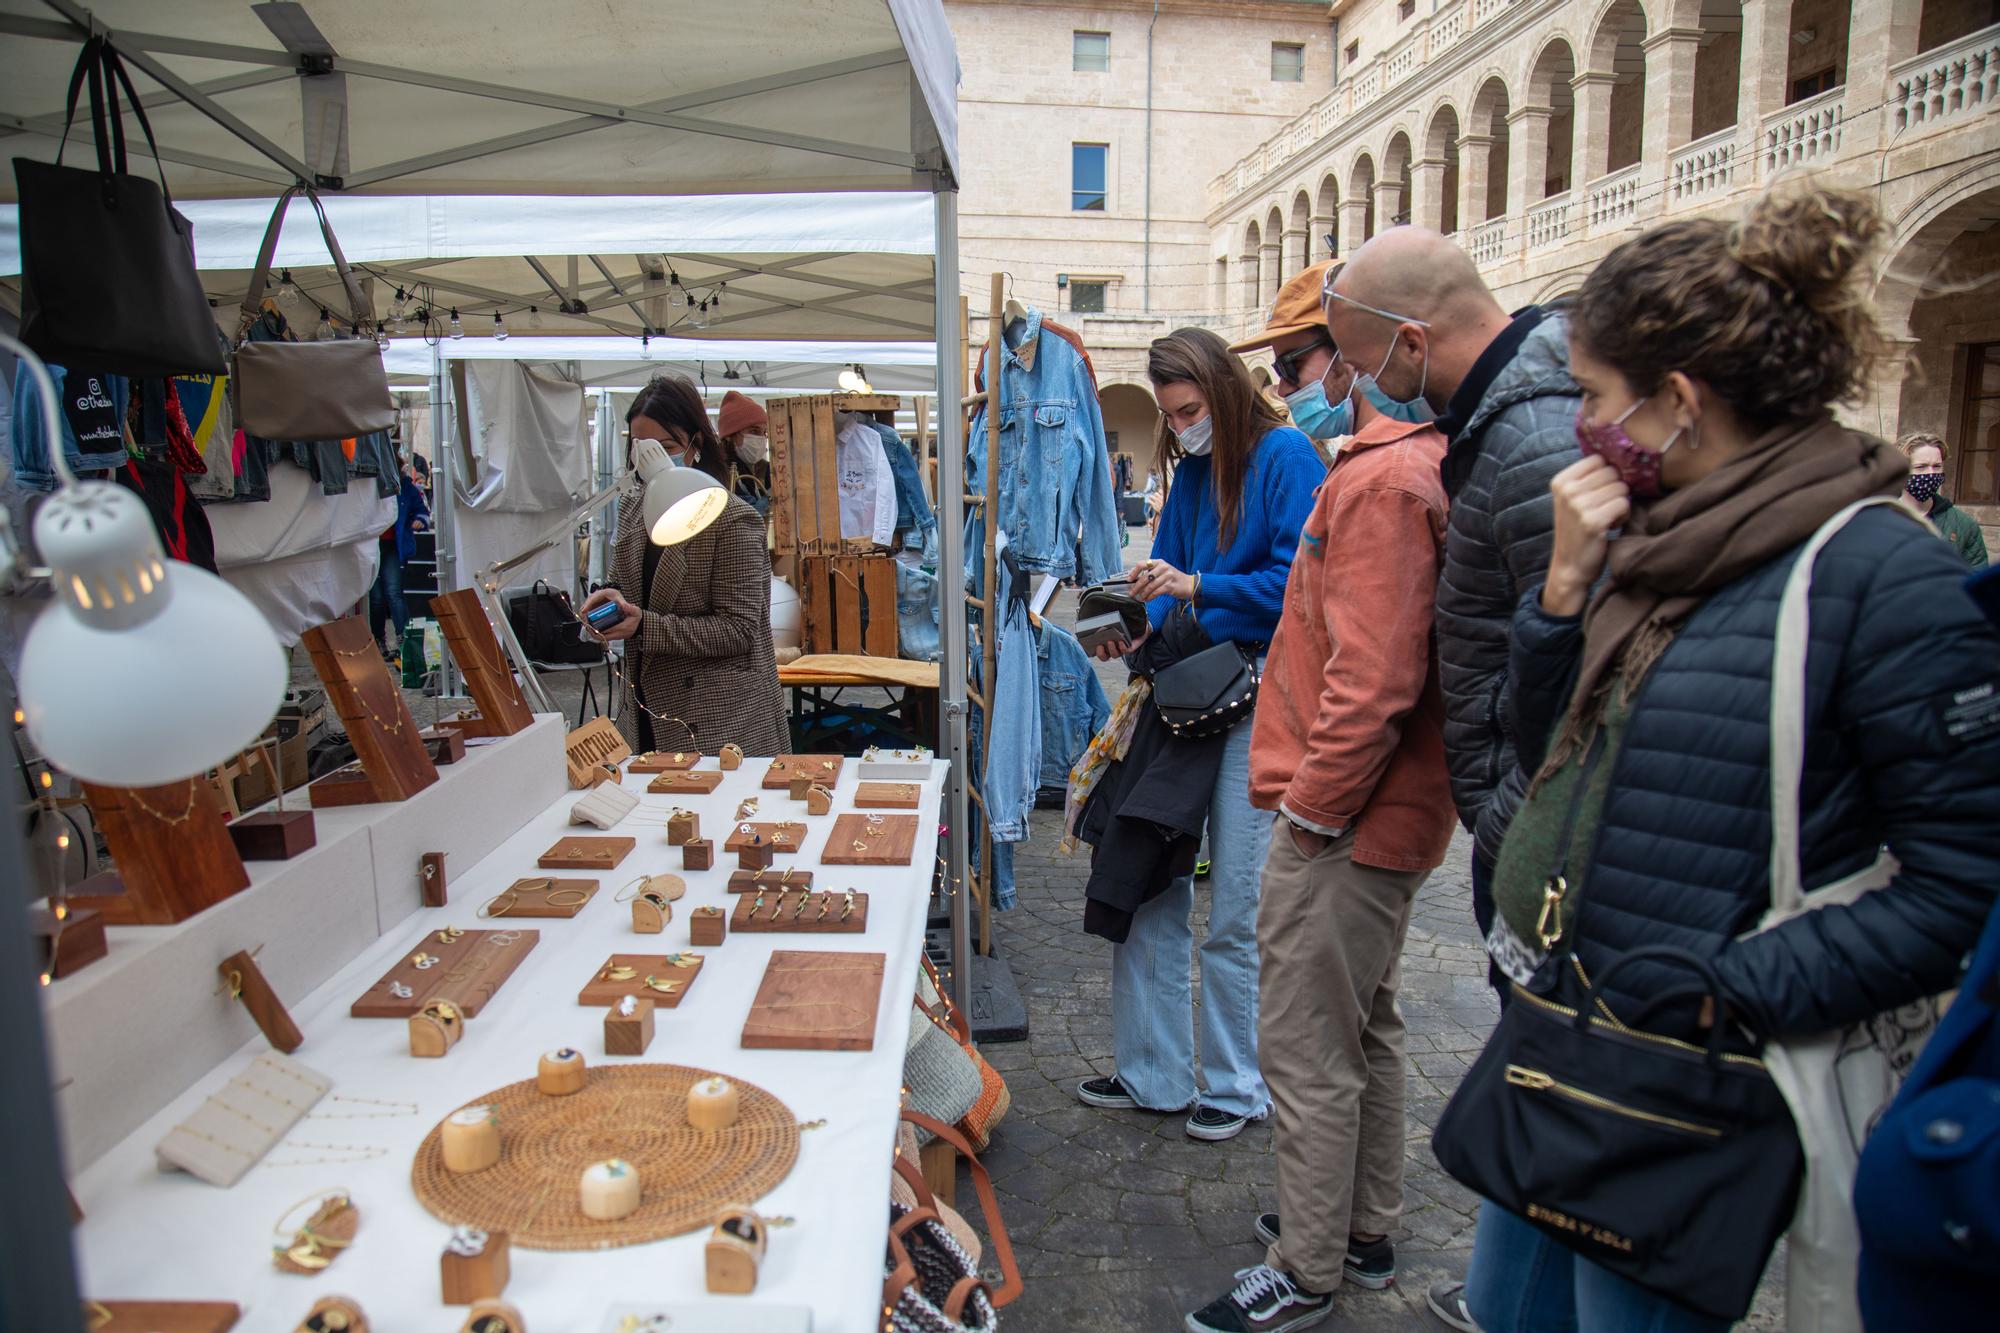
pixel 671 401
pixel 1239 412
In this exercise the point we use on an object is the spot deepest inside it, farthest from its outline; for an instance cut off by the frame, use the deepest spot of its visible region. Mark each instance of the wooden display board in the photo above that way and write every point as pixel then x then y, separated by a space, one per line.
pixel 503 709
pixel 804 913
pixel 821 768
pixel 684 783
pixel 530 897
pixel 783 836
pixel 816 1002
pixel 470 968
pixel 590 747
pixel 581 852
pixel 664 761
pixel 396 762
pixel 173 853
pixel 893 846
pixel 604 989
pixel 888 796
pixel 749 881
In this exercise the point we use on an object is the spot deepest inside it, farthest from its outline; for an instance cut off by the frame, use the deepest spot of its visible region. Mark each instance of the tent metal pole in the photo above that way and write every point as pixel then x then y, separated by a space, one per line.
pixel 443 508
pixel 951 589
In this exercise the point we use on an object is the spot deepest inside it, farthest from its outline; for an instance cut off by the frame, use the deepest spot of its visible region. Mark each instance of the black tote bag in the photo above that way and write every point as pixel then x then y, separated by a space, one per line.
pixel 1672 1165
pixel 107 265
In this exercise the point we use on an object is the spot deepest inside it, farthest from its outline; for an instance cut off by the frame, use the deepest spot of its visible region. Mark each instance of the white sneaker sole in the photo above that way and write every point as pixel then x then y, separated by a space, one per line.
pixel 1193 1325
pixel 1105 1103
pixel 1217 1134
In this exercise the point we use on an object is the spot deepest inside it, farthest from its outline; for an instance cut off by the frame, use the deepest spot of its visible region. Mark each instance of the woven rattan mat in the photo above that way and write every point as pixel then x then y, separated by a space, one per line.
pixel 637 1112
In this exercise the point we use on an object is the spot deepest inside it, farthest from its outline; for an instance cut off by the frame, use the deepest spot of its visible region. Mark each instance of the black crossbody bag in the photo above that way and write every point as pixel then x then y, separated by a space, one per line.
pixel 1206 693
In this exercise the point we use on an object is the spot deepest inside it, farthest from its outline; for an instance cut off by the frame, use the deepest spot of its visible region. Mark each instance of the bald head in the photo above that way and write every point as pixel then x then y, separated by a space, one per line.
pixel 1443 314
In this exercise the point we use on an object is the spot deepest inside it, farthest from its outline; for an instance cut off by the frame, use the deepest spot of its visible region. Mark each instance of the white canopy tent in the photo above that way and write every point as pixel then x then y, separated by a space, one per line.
pixel 439 132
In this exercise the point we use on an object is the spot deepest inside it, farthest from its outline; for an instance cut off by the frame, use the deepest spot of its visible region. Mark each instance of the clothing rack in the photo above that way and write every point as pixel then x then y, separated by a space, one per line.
pixel 988 504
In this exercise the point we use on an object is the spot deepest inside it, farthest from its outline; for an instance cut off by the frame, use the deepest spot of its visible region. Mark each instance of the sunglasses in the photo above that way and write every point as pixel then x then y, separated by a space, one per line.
pixel 1287 363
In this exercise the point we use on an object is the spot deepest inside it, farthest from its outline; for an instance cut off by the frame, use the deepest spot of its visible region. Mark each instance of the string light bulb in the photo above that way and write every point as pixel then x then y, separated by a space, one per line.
pixel 325 333
pixel 499 327
pixel 457 328
pixel 535 320
pixel 289 295
pixel 645 346
pixel 677 297
pixel 382 337
pixel 398 306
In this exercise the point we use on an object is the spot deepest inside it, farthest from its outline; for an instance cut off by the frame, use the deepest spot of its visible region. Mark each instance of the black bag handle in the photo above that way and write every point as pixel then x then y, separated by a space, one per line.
pixel 1664 953
pixel 100 64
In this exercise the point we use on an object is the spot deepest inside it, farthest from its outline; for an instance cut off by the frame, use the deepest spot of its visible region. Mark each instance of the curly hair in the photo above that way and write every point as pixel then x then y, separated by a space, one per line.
pixel 1772 312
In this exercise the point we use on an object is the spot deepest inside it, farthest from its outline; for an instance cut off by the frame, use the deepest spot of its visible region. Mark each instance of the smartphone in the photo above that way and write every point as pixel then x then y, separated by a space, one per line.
pixel 604 615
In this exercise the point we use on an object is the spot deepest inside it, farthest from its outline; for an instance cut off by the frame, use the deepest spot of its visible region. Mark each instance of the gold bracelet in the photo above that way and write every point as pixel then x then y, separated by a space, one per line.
pixel 582 897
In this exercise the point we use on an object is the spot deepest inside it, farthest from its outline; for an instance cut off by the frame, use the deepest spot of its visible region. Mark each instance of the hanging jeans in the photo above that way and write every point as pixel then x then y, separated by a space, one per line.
pixel 1152 1004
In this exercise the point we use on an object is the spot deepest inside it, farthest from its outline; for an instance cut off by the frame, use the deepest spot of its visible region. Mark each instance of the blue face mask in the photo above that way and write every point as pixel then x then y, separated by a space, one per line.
pixel 1415 411
pixel 1314 415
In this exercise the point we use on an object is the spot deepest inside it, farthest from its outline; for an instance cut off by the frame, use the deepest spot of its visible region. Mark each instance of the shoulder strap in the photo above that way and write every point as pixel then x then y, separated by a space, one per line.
pixel 253 299
pixel 989 1204
pixel 1788 704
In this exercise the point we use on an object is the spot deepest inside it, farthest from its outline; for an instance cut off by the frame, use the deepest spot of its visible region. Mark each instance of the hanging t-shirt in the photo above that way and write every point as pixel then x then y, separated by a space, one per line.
pixel 867 485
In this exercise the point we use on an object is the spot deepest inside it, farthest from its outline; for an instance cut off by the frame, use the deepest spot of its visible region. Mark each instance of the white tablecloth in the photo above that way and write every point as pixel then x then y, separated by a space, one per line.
pixel 169 1236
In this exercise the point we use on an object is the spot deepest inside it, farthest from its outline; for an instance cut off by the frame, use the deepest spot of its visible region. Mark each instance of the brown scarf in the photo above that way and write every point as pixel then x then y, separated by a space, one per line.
pixel 1677 550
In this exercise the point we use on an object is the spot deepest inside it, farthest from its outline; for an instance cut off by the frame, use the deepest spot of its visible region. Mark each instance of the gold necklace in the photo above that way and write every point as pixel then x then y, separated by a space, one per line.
pixel 351 1154
pixel 246 1117
pixel 407 1108
pixel 164 818
pixel 210 1138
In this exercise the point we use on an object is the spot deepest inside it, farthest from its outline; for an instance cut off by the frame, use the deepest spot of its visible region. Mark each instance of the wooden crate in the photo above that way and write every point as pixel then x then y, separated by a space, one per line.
pixel 848 604
pixel 805 481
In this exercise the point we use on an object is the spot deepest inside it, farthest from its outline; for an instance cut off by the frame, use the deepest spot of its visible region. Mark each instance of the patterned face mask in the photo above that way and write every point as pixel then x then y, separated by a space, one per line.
pixel 1923 486
pixel 1638 468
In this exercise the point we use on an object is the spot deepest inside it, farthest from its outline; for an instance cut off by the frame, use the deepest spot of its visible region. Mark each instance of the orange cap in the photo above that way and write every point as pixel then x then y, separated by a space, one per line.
pixel 1296 310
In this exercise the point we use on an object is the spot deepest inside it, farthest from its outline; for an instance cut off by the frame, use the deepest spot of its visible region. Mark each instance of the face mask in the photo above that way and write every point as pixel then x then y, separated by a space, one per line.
pixel 1199 438
pixel 1414 410
pixel 1318 418
pixel 1638 468
pixel 753 448
pixel 1923 486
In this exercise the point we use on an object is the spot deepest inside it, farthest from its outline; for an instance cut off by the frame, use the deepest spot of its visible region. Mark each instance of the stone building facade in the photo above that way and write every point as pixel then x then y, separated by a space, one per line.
pixel 1542 133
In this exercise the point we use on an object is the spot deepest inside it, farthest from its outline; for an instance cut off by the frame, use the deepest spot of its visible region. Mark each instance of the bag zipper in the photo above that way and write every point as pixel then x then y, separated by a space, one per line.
pixel 1520 1076
pixel 1523 993
pixel 1548 924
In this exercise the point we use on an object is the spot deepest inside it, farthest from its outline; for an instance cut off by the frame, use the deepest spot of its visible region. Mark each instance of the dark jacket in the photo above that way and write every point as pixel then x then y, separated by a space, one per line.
pixel 1522 433
pixel 1902 748
pixel 410 507
pixel 1144 818
pixel 1961 530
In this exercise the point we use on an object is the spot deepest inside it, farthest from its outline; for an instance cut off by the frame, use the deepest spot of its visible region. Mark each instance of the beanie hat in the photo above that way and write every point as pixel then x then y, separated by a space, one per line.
pixel 738 414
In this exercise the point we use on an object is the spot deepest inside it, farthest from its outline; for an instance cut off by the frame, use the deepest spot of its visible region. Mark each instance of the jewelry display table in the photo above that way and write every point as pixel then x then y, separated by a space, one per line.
pixel 149 1234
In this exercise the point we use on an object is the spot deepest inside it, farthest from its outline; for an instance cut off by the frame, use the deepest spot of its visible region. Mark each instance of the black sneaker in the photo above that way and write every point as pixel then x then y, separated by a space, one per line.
pixel 1371 1265
pixel 1264 1300
pixel 1108 1093
pixel 1447 1302
pixel 1214 1126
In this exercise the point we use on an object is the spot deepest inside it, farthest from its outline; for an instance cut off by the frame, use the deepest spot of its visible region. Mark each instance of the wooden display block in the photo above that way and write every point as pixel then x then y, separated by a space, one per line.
pixel 163 1316
pixel 731 757
pixel 664 761
pixel 821 768
pixel 67 942
pixel 707 927
pixel 503 709
pixel 812 1001
pixel 628 1033
pixel 888 796
pixel 378 721
pixel 530 898
pixel 754 855
pixel 804 913
pixel 430 878
pixel 445 743
pixel 605 988
pixel 819 801
pixel 749 881
pixel 173 853
pixel 246 982
pixel 682 782
pixel 470 968
pixel 350 785
pixel 585 852
pixel 592 747
pixel 850 845
pixel 781 836
pixel 683 826
pixel 273 835
pixel 476 1266
pixel 697 854
pixel 800 784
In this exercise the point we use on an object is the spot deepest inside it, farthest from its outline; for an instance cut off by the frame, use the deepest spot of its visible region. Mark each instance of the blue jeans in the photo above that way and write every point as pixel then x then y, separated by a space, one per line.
pixel 1521 1281
pixel 1152 1008
pixel 385 599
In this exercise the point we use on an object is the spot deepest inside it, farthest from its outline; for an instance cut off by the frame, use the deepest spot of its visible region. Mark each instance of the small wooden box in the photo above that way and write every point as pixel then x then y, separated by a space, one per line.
pixel 272 835
pixel 481 1275
pixel 754 856
pixel 707 927
pixel 819 801
pixel 798 786
pixel 697 854
pixel 731 757
pixel 64 946
pixel 683 828
pixel 446 744
pixel 629 1034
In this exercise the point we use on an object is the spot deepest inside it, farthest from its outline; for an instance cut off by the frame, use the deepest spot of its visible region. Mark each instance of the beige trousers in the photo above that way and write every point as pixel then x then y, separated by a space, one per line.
pixel 1330 935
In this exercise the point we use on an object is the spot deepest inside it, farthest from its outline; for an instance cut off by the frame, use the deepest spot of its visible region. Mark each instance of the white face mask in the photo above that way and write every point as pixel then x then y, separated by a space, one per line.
pixel 753 448
pixel 1199 438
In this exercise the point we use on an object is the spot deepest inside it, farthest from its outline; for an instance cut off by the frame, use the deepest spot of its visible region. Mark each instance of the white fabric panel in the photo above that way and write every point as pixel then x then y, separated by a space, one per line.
pixel 299 518
pixel 529 433
pixel 485 537
pixel 783 367
pixel 297 592
pixel 926 35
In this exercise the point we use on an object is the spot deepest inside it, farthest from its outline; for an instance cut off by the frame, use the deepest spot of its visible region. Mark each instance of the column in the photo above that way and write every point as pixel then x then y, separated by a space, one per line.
pixel 1427 193
pixel 1590 140
pixel 1670 55
pixel 1527 156
pixel 1273 275
pixel 1247 268
pixel 1475 158
pixel 1353 224
pixel 1388 203
pixel 1316 236
pixel 1767 28
pixel 1880 36
pixel 1298 248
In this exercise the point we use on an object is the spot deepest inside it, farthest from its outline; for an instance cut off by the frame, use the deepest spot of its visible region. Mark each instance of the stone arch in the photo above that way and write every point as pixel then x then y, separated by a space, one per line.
pixel 1301 228
pixel 1130 413
pixel 1441 145
pixel 1361 185
pixel 1329 209
pixel 1550 91
pixel 1274 253
pixel 1488 122
pixel 1718 63
pixel 1252 263
pixel 1618 56
pixel 1396 162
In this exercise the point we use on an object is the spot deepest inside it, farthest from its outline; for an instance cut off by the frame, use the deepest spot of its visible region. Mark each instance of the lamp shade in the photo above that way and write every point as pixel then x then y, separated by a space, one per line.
pixel 141 671
pixel 678 502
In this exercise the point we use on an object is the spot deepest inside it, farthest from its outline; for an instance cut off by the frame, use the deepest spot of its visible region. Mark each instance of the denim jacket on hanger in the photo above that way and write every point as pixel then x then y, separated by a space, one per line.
pixel 1056 505
pixel 31 449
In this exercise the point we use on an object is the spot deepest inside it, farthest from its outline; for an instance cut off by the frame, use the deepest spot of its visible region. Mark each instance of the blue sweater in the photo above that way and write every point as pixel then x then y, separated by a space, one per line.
pixel 1242 588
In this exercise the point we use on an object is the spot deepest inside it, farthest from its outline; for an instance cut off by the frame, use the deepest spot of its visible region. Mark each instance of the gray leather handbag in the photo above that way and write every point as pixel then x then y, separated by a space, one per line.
pixel 330 390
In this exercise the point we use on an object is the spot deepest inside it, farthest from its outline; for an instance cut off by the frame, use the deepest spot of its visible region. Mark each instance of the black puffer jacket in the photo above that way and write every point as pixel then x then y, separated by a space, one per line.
pixel 1902 748
pixel 1524 432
